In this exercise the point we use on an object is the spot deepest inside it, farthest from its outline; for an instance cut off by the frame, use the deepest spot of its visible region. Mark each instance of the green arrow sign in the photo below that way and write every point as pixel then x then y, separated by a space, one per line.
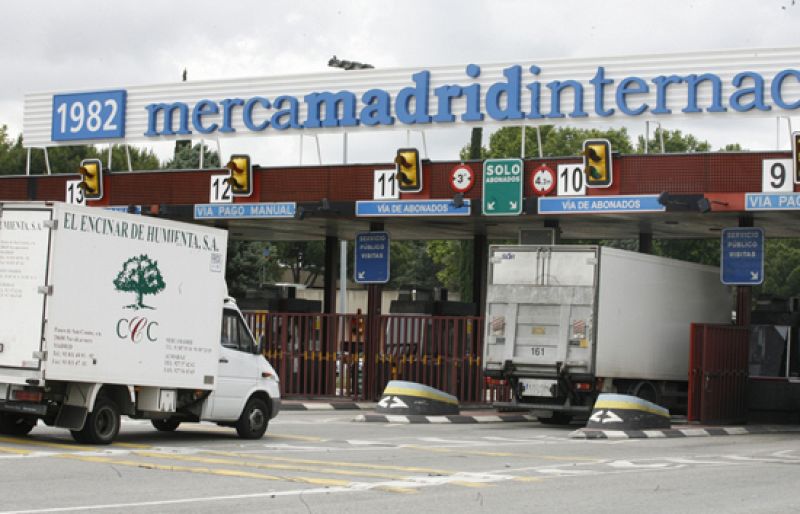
pixel 502 187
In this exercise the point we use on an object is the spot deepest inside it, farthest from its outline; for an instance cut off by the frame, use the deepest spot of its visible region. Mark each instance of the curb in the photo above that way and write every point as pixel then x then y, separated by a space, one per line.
pixel 327 406
pixel 588 433
pixel 454 419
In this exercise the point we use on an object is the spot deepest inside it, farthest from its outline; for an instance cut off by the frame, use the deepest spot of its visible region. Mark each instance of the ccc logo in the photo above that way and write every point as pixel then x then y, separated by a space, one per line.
pixel 136 329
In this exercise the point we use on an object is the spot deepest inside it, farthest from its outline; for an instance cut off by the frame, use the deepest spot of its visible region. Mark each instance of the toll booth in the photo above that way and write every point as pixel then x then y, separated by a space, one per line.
pixel 278 298
pixel 428 338
pixel 774 361
pixel 292 331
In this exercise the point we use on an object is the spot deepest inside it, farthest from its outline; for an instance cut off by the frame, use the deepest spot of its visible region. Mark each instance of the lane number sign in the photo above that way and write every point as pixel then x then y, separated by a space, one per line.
pixel 385 185
pixel 97 115
pixel 462 178
pixel 543 180
pixel 571 180
pixel 776 176
pixel 74 194
pixel 220 190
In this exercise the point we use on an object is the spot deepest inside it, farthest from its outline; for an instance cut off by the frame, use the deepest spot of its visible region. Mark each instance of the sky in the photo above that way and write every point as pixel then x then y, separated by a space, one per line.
pixel 62 45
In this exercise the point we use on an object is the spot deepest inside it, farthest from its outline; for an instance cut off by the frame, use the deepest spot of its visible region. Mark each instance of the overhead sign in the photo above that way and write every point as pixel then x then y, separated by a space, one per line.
pixel 599 204
pixel 502 187
pixel 543 180
pixel 389 208
pixel 372 258
pixel 567 91
pixel 772 201
pixel 462 178
pixel 211 211
pixel 742 256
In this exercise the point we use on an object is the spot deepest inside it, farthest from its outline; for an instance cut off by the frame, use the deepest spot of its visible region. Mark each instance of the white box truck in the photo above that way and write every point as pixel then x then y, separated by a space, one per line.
pixel 105 313
pixel 565 323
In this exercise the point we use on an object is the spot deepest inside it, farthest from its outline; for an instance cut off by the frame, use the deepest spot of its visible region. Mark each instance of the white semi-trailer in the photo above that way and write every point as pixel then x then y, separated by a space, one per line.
pixel 105 313
pixel 565 323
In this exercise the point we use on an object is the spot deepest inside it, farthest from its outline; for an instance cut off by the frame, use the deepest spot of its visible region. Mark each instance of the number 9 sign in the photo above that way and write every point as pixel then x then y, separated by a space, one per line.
pixel 461 178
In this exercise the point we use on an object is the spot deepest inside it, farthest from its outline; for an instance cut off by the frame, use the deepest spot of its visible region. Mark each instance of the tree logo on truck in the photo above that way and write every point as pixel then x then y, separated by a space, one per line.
pixel 140 275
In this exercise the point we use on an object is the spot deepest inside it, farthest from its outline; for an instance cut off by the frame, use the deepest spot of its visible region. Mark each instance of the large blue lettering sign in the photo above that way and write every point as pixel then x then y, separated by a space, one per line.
pixel 420 104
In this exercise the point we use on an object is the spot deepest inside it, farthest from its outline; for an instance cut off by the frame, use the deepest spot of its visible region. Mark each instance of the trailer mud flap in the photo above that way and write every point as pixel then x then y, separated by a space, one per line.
pixel 71 417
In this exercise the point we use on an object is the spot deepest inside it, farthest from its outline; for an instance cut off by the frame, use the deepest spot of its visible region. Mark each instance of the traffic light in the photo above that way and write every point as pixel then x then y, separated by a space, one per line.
pixel 597 162
pixel 409 171
pixel 796 156
pixel 241 177
pixel 91 171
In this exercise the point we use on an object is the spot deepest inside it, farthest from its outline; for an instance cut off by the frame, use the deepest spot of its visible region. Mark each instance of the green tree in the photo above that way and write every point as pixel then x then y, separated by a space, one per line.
pixel 66 159
pixel 411 265
pixel 556 141
pixel 781 268
pixel 454 260
pixel 187 157
pixel 140 275
pixel 674 142
pixel 249 264
pixel 302 258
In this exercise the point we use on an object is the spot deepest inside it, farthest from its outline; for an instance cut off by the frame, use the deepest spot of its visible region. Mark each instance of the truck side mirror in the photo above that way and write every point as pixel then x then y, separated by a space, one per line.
pixel 259 346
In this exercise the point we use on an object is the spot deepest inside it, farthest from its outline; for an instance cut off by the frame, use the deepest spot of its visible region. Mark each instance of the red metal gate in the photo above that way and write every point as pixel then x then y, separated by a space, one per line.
pixel 718 374
pixel 324 355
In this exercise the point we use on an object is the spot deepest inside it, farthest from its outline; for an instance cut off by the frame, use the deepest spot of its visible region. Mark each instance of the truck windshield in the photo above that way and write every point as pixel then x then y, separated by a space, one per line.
pixel 234 333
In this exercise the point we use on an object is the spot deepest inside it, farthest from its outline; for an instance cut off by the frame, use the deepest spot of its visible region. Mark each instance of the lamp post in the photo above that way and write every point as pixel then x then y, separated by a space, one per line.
pixel 335 62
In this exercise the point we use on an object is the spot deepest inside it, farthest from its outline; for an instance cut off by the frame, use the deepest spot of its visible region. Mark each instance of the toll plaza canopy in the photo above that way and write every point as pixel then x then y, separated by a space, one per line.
pixel 666 196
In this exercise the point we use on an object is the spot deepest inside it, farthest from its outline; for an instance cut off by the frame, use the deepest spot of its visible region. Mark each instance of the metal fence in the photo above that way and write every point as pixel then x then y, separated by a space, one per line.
pixel 354 356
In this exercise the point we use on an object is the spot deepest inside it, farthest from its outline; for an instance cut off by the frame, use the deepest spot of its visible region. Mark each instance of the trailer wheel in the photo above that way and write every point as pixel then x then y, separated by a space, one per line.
pixel 646 391
pixel 13 424
pixel 254 419
pixel 102 424
pixel 166 425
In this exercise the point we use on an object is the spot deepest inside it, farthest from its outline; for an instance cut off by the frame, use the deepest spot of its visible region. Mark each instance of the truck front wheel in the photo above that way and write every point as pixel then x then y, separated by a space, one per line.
pixel 13 424
pixel 254 419
pixel 102 424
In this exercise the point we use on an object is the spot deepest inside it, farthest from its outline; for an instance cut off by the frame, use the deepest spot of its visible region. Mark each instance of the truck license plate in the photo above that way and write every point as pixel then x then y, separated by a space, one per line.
pixel 537 387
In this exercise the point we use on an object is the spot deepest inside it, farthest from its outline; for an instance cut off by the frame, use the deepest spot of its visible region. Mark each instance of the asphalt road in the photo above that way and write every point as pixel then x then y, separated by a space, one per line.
pixel 325 462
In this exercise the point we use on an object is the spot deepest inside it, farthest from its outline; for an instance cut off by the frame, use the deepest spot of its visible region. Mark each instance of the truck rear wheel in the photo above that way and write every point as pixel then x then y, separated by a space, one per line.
pixel 14 424
pixel 102 424
pixel 254 419
pixel 166 425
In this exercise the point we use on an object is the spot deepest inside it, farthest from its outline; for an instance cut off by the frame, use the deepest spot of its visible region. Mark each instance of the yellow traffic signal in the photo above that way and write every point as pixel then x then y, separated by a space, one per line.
pixel 796 156
pixel 241 177
pixel 409 171
pixel 91 171
pixel 597 162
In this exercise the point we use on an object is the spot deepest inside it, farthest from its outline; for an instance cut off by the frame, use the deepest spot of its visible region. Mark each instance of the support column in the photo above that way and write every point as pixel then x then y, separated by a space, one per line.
pixel 556 230
pixel 329 280
pixel 645 243
pixel 372 335
pixel 744 294
pixel 480 255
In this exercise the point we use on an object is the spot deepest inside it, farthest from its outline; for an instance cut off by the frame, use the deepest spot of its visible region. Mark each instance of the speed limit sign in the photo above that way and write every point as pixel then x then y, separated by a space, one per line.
pixel 461 178
pixel 543 180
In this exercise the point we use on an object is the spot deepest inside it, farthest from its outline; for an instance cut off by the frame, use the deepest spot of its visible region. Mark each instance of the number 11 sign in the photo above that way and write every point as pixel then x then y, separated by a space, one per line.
pixel 385 185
